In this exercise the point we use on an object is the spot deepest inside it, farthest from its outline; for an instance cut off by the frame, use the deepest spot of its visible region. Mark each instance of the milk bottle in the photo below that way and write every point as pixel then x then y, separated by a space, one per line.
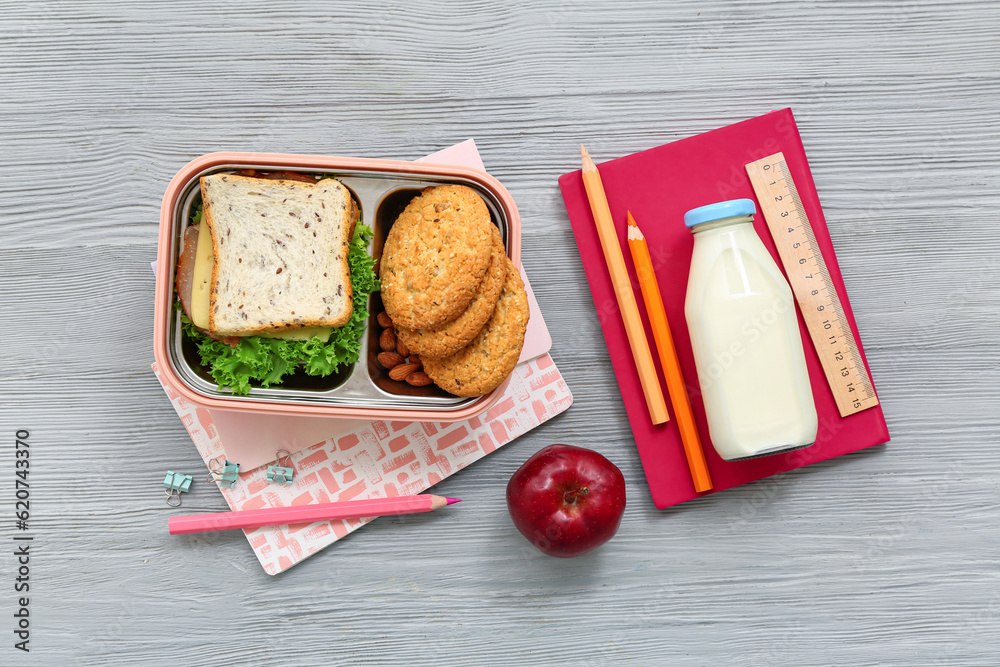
pixel 745 335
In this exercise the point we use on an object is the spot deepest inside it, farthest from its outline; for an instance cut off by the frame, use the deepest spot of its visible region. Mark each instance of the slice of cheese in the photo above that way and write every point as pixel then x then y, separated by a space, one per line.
pixel 201 278
pixel 305 333
pixel 201 285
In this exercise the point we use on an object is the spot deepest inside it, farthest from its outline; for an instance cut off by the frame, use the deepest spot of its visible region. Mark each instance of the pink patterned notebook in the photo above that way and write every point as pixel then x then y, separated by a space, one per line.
pixel 379 460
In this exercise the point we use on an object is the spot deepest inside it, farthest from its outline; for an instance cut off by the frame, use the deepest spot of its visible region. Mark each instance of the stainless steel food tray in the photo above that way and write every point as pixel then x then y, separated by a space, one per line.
pixel 381 196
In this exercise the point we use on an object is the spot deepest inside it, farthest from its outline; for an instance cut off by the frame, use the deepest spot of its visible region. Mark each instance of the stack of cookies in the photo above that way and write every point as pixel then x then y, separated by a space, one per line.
pixel 454 297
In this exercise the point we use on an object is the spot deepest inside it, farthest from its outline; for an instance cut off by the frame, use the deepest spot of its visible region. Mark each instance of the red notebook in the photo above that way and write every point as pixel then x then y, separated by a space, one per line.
pixel 658 186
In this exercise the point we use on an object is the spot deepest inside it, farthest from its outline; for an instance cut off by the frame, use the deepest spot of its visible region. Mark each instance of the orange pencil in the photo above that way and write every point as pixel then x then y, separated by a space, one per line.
pixel 668 357
pixel 623 291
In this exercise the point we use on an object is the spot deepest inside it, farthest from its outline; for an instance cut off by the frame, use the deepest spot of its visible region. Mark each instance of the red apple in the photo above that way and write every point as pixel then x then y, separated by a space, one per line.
pixel 567 500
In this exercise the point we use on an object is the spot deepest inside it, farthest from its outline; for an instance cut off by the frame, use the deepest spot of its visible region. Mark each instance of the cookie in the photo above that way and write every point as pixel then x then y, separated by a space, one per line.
pixel 483 365
pixel 451 337
pixel 435 256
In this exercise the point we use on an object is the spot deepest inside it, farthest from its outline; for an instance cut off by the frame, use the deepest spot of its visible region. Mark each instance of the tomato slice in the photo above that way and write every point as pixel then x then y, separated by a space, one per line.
pixel 289 176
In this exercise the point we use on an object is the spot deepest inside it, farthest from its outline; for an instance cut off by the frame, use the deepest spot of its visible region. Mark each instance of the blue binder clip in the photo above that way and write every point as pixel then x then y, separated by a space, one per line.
pixel 175 484
pixel 222 471
pixel 279 473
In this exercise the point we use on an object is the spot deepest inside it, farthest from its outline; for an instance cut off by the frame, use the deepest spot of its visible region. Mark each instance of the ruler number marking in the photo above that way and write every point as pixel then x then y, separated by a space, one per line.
pixel 805 266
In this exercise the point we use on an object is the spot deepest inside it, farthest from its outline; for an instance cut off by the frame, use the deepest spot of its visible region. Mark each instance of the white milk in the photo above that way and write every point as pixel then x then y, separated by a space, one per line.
pixel 745 335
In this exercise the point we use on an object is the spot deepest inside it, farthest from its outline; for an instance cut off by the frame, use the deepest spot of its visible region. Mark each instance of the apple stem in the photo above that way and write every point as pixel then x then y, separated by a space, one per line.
pixel 572 496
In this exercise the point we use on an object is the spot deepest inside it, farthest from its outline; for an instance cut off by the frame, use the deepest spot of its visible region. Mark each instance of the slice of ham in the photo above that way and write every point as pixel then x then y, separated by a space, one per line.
pixel 185 281
pixel 185 268
pixel 231 341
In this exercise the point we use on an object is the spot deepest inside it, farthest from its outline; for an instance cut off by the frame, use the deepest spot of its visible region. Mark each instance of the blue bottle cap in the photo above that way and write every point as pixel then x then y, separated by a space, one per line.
pixel 723 209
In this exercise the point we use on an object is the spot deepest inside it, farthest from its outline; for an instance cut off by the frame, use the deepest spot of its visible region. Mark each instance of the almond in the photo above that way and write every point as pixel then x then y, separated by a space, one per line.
pixel 387 341
pixel 384 321
pixel 401 371
pixel 418 379
pixel 414 359
pixel 401 347
pixel 389 360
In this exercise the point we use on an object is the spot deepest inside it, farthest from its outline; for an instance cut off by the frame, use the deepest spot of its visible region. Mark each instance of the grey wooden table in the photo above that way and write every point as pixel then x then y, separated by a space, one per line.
pixel 889 556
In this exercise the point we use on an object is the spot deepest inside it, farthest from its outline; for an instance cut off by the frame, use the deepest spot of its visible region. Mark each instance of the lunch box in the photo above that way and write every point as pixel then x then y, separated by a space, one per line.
pixel 363 390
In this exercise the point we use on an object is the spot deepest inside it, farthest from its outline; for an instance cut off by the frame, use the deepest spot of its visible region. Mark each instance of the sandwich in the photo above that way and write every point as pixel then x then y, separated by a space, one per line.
pixel 274 276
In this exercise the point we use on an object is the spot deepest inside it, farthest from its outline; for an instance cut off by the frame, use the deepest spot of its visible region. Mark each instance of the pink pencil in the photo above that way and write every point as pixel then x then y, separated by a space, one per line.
pixel 276 516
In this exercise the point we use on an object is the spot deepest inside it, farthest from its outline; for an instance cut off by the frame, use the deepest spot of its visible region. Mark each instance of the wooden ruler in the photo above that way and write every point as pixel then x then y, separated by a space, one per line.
pixel 811 284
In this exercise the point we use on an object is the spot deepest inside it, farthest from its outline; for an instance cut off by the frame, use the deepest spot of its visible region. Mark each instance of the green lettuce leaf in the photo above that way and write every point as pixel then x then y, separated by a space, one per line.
pixel 264 362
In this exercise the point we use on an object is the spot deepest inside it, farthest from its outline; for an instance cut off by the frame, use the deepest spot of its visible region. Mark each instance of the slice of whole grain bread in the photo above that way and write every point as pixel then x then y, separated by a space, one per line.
pixel 280 250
